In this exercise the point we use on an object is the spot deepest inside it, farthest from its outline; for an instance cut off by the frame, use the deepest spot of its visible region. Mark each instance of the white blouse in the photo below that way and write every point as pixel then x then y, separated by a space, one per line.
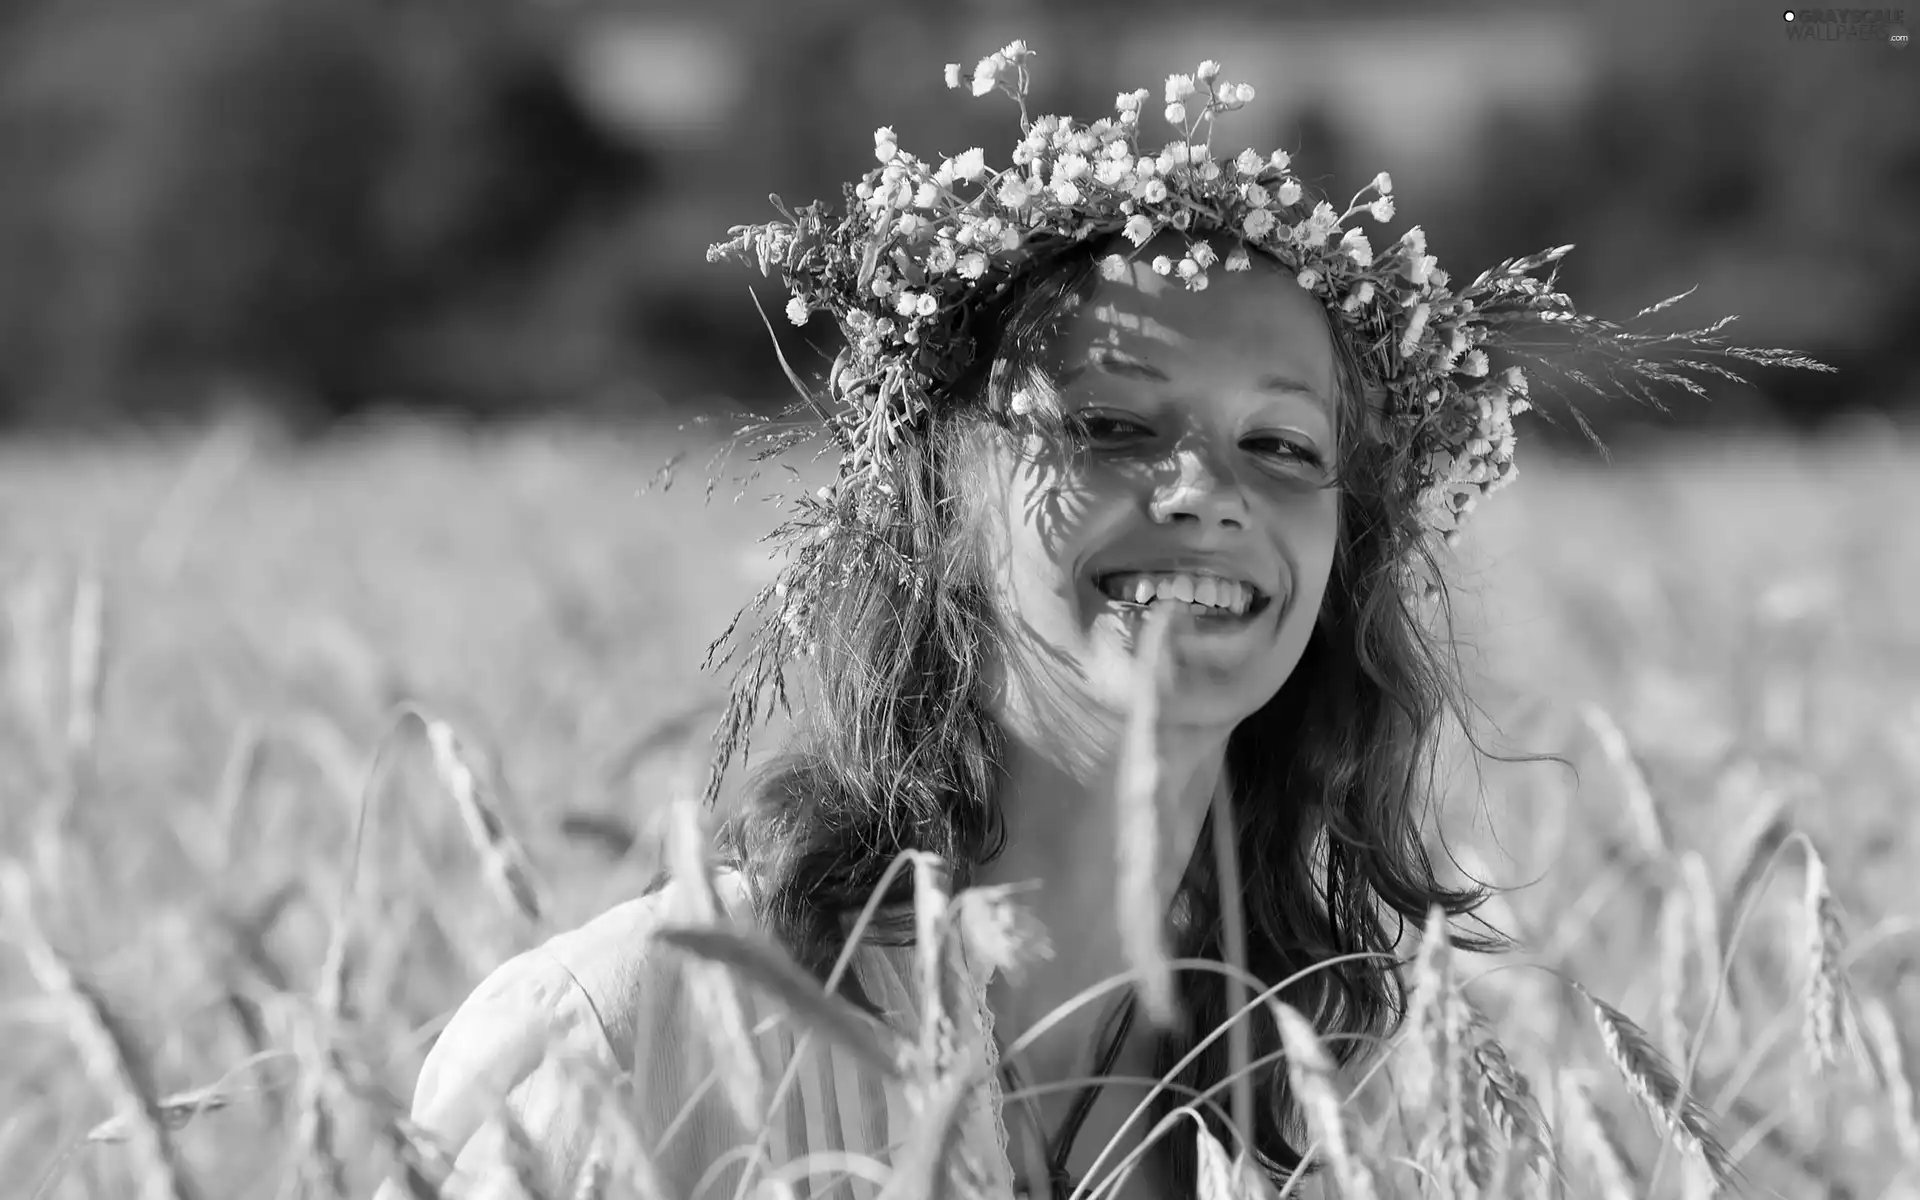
pixel 602 1015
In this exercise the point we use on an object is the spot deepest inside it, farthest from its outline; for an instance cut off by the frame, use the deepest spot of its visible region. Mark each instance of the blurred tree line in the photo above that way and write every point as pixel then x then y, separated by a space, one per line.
pixel 498 207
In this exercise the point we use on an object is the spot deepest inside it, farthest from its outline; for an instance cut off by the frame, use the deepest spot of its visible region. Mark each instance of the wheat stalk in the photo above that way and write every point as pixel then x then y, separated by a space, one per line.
pixel 107 1050
pixel 507 868
pixel 86 664
pixel 1674 929
pixel 1826 985
pixel 1311 1071
pixel 1890 1063
pixel 1652 1081
pixel 1648 823
pixel 1142 909
pixel 727 1029
pixel 1595 1143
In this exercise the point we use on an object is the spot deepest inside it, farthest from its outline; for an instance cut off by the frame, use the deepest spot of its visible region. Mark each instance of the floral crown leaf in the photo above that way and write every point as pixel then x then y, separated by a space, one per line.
pixel 919 249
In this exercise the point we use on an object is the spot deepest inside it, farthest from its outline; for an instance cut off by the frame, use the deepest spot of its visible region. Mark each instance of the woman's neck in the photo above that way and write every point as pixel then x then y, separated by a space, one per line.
pixel 1062 826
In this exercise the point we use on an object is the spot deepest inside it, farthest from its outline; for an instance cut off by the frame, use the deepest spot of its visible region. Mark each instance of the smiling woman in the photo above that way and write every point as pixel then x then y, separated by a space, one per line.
pixel 1056 424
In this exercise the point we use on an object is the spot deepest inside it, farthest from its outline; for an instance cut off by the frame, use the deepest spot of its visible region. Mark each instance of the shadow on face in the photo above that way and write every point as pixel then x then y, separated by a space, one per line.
pixel 1198 471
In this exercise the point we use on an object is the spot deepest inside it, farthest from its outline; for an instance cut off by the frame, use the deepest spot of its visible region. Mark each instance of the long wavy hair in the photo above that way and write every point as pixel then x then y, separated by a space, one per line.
pixel 894 750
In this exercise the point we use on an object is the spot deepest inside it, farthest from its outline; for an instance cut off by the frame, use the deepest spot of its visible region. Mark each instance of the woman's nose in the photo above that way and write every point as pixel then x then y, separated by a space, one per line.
pixel 1200 492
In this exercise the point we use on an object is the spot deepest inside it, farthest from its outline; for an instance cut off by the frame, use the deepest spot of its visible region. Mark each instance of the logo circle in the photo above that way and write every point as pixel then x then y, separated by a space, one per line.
pixel 1789 14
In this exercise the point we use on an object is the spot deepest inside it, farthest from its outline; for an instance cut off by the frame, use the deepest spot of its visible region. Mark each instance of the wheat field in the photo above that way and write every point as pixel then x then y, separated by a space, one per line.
pixel 223 654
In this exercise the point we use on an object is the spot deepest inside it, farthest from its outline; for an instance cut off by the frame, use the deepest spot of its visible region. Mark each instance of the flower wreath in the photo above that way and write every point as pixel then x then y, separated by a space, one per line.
pixel 921 247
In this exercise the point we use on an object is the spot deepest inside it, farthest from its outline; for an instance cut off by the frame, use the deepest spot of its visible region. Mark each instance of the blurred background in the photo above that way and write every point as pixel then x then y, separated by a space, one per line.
pixel 500 207
pixel 340 340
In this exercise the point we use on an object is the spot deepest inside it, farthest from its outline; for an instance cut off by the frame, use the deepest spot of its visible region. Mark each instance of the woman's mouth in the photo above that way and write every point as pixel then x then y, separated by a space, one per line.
pixel 1205 595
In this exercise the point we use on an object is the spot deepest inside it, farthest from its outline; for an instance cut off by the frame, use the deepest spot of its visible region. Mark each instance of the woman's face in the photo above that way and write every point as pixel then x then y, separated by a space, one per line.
pixel 1208 420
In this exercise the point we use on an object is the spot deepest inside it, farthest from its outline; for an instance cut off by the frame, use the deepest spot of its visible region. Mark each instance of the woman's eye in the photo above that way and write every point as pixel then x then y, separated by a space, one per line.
pixel 1287 448
pixel 1098 427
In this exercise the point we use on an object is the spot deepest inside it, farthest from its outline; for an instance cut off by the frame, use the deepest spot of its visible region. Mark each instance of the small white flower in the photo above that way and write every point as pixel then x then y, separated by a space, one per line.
pixel 927 305
pixel 1010 239
pixel 941 260
pixel 986 74
pixel 1067 192
pixel 863 190
pixel 1249 163
pixel 1113 268
pixel 1209 70
pixel 906 303
pixel 881 286
pixel 970 164
pixel 1188 268
pixel 1138 229
pixel 973 265
pixel 1280 160
pixel 1520 405
pixel 1516 381
pixel 1238 259
pixel 1364 294
pixel 1015 50
pixel 1476 363
pixel 1183 219
pixel 1382 209
pixel 1290 192
pixel 1420 269
pixel 885 146
pixel 1243 93
pixel 1383 183
pixel 1308 279
pixel 1258 223
pixel 1179 87
pixel 1127 102
pixel 927 195
pixel 1355 244
pixel 1014 192
pixel 1119 151
pixel 797 310
pixel 1155 191
pixel 1176 114
pixel 1210 170
pixel 1197 284
pixel 1111 173
pixel 1070 166
pixel 953 75
pixel 1203 254
pixel 1416 328
pixel 1162 265
pixel 907 225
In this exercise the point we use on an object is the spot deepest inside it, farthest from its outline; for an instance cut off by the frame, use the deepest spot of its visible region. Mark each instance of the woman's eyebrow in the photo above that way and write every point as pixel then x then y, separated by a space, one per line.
pixel 1110 361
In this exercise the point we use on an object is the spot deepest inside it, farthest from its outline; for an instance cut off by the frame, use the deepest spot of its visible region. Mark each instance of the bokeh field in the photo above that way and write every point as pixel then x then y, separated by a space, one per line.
pixel 209 639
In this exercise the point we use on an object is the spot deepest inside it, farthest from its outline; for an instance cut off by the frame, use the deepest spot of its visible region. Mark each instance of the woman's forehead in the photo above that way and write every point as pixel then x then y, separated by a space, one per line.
pixel 1257 323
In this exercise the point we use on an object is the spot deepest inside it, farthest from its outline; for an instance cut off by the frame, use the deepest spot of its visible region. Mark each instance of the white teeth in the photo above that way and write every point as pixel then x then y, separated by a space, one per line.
pixel 1204 592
